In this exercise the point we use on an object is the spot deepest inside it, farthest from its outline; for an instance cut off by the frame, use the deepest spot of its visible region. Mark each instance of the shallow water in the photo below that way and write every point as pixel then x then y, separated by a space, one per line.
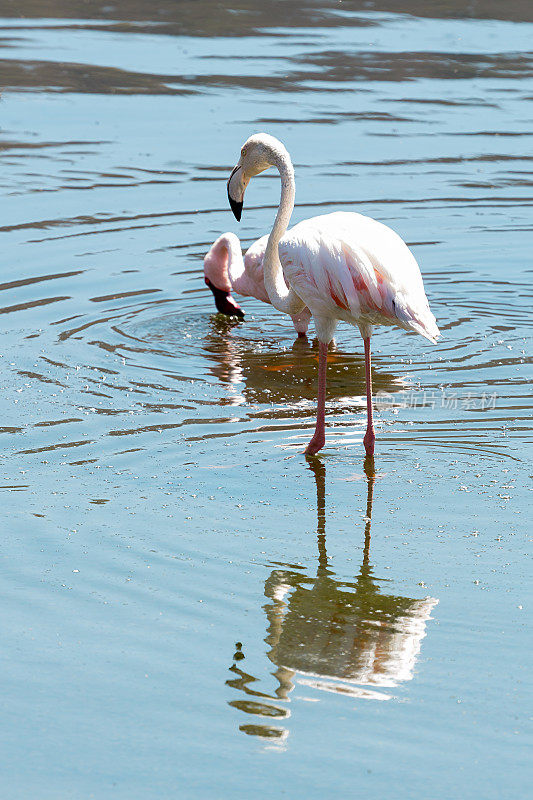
pixel 191 609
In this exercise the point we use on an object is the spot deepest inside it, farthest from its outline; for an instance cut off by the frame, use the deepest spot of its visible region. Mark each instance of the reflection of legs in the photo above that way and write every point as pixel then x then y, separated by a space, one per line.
pixel 370 436
pixel 371 477
pixel 319 471
pixel 319 436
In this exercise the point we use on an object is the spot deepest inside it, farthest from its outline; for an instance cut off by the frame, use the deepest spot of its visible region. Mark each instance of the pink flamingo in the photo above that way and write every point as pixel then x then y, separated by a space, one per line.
pixel 226 270
pixel 342 266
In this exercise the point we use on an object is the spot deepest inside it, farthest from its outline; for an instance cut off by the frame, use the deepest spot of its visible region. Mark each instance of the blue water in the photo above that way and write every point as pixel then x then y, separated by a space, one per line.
pixel 191 608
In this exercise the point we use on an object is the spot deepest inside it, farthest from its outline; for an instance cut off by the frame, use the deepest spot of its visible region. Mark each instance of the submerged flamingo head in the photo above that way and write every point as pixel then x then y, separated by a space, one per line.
pixel 216 276
pixel 225 302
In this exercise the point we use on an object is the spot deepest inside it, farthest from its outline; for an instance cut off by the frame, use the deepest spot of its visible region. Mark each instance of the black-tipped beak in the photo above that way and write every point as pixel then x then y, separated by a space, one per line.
pixel 235 206
pixel 224 302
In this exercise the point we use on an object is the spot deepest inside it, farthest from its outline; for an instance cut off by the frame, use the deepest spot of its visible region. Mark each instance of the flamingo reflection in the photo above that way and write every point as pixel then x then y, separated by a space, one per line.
pixel 347 637
pixel 253 370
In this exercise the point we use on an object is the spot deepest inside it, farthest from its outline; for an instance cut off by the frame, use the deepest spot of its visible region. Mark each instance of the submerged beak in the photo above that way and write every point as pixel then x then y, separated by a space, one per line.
pixel 236 187
pixel 224 302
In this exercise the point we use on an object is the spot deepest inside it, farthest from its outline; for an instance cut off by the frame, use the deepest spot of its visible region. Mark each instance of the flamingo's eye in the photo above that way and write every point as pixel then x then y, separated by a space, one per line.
pixel 243 152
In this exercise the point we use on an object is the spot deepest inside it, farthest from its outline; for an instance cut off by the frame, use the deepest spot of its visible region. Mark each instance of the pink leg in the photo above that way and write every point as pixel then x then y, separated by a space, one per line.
pixel 370 436
pixel 319 436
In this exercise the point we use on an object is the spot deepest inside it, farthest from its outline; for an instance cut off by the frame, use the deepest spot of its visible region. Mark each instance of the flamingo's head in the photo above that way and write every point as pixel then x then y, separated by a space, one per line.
pixel 217 278
pixel 258 153
pixel 225 302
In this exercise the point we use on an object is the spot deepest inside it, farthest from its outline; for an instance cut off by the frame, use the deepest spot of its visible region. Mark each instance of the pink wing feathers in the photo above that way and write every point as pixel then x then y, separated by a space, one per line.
pixel 350 267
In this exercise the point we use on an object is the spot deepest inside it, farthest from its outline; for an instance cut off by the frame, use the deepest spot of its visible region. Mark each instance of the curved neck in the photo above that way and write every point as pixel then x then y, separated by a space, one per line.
pixel 235 259
pixel 281 297
pixel 223 264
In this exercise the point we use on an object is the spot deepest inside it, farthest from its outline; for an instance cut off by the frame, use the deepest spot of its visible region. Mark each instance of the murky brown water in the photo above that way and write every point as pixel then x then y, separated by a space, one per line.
pixel 191 609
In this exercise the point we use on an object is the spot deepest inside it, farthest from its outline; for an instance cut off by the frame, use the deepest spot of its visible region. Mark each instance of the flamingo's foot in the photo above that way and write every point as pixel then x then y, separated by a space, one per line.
pixel 316 444
pixel 368 441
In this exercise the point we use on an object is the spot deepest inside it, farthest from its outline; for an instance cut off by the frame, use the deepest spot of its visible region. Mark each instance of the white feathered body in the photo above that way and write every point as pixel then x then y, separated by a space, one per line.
pixel 346 266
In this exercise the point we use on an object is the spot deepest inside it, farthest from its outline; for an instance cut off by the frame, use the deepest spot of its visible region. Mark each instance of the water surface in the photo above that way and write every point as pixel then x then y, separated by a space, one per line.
pixel 191 608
